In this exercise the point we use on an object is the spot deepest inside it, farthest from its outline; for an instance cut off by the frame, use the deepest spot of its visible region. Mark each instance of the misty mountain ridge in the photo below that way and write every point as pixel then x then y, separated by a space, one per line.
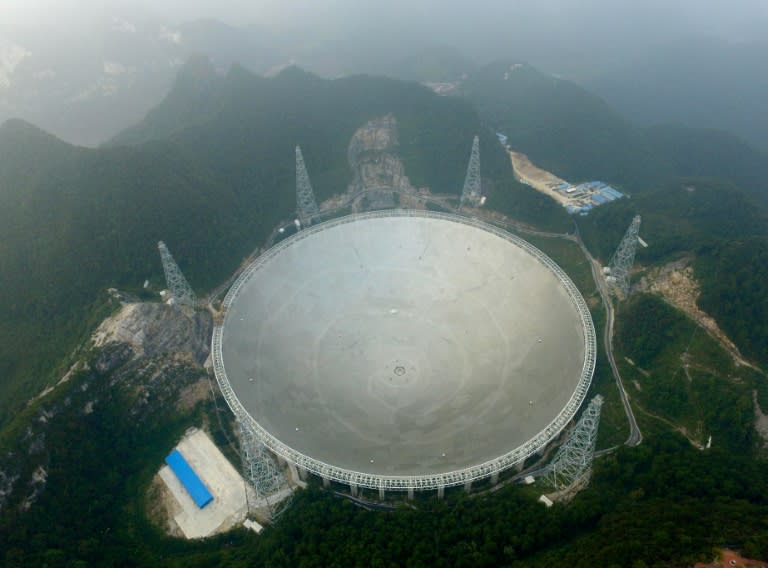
pixel 86 89
pixel 702 82
pixel 579 136
pixel 210 172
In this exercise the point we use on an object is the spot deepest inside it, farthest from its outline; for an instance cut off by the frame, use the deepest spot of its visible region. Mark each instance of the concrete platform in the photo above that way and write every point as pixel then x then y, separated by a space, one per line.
pixel 229 506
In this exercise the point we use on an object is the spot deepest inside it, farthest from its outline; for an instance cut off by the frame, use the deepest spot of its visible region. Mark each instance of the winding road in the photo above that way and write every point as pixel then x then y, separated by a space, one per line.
pixel 635 436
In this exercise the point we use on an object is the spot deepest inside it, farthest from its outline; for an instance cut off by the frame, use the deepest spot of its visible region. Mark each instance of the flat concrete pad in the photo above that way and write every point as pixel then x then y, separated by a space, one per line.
pixel 229 506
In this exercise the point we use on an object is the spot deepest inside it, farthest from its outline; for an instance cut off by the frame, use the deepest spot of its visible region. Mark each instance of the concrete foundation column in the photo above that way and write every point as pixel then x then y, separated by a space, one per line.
pixel 326 482
pixel 382 493
pixel 410 493
pixel 468 486
pixel 302 473
pixel 520 467
pixel 494 478
pixel 440 491
pixel 353 489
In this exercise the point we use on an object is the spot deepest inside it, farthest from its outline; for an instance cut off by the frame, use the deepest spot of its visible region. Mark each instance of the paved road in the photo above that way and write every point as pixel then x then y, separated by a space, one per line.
pixel 635 436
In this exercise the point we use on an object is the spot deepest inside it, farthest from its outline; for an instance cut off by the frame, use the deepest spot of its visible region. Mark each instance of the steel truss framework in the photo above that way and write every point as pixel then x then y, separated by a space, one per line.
pixel 624 257
pixel 179 287
pixel 574 458
pixel 306 205
pixel 263 473
pixel 414 482
pixel 472 184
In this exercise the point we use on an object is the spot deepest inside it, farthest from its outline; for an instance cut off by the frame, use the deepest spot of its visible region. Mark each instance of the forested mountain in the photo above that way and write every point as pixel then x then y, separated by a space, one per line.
pixel 577 135
pixel 718 225
pixel 703 82
pixel 211 172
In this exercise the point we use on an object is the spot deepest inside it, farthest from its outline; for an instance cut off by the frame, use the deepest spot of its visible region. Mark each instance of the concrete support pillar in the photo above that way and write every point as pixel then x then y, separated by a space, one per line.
pixel 382 493
pixel 302 473
pixel 410 493
pixel 440 491
pixel 281 461
pixel 326 482
pixel 468 486
pixel 520 467
pixel 353 489
pixel 494 478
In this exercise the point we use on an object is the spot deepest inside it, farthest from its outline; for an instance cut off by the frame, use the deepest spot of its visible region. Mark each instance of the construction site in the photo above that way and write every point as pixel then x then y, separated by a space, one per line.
pixel 576 199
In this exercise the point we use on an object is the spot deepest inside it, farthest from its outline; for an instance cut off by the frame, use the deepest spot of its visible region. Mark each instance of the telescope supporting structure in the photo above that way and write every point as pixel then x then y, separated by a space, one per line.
pixel 306 205
pixel 180 290
pixel 471 192
pixel 263 473
pixel 574 458
pixel 623 259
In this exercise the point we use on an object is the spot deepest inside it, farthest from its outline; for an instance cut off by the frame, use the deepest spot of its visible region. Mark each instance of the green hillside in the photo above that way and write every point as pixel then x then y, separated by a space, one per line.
pixel 701 82
pixel 211 172
pixel 75 221
pixel 578 136
pixel 719 226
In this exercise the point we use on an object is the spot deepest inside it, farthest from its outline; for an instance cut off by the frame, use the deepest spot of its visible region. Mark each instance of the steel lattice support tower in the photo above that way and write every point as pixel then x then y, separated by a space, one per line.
pixel 624 257
pixel 574 458
pixel 306 206
pixel 261 470
pixel 180 289
pixel 472 186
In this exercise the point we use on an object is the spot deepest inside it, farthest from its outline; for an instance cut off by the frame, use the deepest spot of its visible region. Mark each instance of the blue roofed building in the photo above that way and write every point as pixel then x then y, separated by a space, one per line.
pixel 189 479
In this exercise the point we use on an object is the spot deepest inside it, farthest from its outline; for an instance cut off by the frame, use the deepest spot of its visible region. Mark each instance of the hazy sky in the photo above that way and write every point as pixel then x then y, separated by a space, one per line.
pixel 480 28
pixel 734 17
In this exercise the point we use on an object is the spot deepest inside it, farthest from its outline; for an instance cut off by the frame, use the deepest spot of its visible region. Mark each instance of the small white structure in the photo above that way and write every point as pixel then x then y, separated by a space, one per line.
pixel 253 525
pixel 529 480
pixel 546 500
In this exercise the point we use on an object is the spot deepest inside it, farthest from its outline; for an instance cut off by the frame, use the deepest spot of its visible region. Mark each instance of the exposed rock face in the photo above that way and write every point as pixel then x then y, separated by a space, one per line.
pixel 373 157
pixel 676 283
pixel 147 356
pixel 152 329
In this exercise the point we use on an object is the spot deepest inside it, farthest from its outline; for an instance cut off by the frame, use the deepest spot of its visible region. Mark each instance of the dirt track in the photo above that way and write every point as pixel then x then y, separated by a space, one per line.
pixel 538 179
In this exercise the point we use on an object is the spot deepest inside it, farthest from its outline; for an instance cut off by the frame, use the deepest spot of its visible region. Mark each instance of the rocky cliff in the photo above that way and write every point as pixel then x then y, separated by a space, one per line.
pixel 372 155
pixel 141 363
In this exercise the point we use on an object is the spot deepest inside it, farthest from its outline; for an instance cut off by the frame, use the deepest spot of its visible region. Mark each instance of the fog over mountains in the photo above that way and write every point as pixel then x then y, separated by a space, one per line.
pixel 84 70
